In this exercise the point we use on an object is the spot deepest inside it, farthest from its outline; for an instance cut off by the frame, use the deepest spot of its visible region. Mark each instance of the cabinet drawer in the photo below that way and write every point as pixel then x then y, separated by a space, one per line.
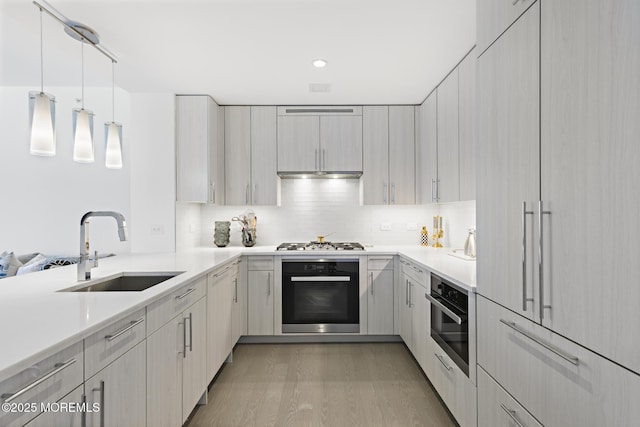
pixel 559 382
pixel 380 262
pixel 260 263
pixel 419 274
pixel 494 17
pixel 162 311
pixel 46 381
pixel 61 417
pixel 496 408
pixel 111 342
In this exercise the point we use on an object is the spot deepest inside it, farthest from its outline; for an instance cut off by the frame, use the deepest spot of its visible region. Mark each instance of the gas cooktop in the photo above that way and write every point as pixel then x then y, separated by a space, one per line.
pixel 317 246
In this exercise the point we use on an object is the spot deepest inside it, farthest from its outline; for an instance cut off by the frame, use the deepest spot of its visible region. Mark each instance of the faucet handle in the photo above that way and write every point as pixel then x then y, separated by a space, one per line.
pixel 95 259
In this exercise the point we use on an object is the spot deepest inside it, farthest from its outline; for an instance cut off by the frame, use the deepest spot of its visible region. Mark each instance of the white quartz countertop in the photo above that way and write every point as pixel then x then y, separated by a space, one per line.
pixel 37 320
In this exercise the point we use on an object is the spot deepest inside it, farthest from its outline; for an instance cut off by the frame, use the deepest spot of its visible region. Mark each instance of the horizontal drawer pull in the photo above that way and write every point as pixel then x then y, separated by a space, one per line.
pixel 444 309
pixel 380 259
pixel 58 367
pixel 190 290
pixel 441 359
pixel 224 271
pixel 512 415
pixel 131 325
pixel 571 359
pixel 320 279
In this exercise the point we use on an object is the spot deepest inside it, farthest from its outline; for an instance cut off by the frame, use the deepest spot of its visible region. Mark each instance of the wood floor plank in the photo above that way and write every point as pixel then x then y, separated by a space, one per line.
pixel 333 385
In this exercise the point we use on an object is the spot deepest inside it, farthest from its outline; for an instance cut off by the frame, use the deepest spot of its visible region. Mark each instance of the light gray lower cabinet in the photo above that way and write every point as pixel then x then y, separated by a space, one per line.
pixel 120 390
pixel 46 381
pixel 220 296
pixel 260 295
pixel 559 382
pixel 176 373
pixel 58 416
pixel 380 299
pixel 239 308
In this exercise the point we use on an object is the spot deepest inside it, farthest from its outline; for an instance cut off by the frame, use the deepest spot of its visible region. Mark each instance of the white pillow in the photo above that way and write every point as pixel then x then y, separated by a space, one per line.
pixel 9 264
pixel 34 265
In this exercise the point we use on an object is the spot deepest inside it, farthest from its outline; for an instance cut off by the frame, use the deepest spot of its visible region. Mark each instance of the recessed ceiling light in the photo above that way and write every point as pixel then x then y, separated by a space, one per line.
pixel 319 63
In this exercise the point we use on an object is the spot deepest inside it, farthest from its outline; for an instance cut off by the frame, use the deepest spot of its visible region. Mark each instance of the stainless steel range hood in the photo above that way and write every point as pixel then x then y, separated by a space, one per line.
pixel 320 175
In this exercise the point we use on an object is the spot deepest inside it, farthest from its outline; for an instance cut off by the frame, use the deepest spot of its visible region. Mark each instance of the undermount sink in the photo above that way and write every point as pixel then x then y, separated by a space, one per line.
pixel 125 282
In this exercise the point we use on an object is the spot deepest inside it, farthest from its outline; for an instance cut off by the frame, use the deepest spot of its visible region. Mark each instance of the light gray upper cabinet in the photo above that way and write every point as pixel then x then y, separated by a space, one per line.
pixel 494 17
pixel 448 182
pixel 199 150
pixel 237 141
pixel 590 128
pixel 402 155
pixel 508 166
pixel 375 176
pixel 467 126
pixel 319 139
pixel 264 178
pixel 426 150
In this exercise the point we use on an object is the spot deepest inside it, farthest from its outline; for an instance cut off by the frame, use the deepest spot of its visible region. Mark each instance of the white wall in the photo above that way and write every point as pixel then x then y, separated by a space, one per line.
pixel 312 207
pixel 43 198
pixel 152 148
pixel 188 225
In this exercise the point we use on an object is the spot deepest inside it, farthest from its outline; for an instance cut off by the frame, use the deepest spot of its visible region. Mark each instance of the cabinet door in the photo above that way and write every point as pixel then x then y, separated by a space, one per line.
pixel 264 159
pixel 402 155
pixel 194 364
pixel 121 390
pixel 508 164
pixel 421 322
pixel 426 149
pixel 298 143
pixel 375 141
pixel 260 303
pixel 192 149
pixel 590 156
pixel 380 302
pixel 237 147
pixel 467 126
pixel 341 143
pixel 239 310
pixel 61 417
pixel 448 185
pixel 406 320
pixel 164 375
pixel 216 152
pixel 220 295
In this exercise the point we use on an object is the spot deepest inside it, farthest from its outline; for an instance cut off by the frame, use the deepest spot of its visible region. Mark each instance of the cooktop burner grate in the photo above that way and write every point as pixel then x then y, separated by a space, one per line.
pixel 318 246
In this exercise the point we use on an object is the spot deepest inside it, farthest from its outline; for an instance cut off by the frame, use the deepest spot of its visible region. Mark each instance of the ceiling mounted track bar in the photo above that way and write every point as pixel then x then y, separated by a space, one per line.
pixel 72 29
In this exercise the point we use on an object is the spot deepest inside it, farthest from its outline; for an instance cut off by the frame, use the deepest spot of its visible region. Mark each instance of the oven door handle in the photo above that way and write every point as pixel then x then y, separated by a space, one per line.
pixel 320 278
pixel 444 309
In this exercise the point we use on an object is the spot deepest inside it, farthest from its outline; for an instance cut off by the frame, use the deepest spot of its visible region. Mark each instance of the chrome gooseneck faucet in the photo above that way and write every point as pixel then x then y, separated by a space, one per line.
pixel 84 273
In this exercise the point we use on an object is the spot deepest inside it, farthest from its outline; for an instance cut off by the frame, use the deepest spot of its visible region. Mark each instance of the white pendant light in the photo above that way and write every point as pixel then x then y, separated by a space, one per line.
pixel 83 128
pixel 42 115
pixel 113 131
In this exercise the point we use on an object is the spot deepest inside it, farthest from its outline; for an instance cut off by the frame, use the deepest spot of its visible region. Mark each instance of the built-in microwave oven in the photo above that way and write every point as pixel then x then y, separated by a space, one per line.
pixel 449 320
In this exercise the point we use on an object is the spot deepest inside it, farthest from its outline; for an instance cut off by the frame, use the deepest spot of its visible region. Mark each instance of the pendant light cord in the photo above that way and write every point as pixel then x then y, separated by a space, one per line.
pixel 41 57
pixel 82 69
pixel 113 91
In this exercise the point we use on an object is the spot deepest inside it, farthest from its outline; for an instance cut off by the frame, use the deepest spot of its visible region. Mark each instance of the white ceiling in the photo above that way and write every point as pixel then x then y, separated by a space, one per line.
pixel 247 51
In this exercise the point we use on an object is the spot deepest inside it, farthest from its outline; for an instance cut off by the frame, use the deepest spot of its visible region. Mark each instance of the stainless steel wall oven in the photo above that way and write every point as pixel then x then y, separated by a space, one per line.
pixel 320 295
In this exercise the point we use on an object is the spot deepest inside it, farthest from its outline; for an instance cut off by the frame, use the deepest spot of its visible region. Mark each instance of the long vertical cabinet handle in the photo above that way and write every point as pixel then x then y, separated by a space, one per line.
pixel 212 187
pixel 384 192
pixel 190 331
pixel 393 193
pixel 511 413
pixel 255 191
pixel 371 281
pixel 525 212
pixel 437 189
pixel 316 161
pixel 269 284
pixel 236 285
pixel 246 194
pixel 324 159
pixel 83 416
pixel 410 296
pixel 406 294
pixel 541 214
pixel 184 338
pixel 100 389
pixel 433 193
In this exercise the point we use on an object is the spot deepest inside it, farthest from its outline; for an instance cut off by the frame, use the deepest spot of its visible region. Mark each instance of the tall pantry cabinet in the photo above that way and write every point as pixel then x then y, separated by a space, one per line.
pixel 558 108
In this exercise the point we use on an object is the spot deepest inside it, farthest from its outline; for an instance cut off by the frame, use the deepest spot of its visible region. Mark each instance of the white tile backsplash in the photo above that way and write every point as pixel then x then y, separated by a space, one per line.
pixel 311 207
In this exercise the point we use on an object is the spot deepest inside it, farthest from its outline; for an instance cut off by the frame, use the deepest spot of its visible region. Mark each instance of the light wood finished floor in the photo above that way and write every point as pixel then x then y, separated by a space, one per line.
pixel 329 385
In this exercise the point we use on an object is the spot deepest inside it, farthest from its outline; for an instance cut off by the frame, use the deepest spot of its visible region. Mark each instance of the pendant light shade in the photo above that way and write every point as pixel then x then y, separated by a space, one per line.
pixel 114 145
pixel 42 119
pixel 83 136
